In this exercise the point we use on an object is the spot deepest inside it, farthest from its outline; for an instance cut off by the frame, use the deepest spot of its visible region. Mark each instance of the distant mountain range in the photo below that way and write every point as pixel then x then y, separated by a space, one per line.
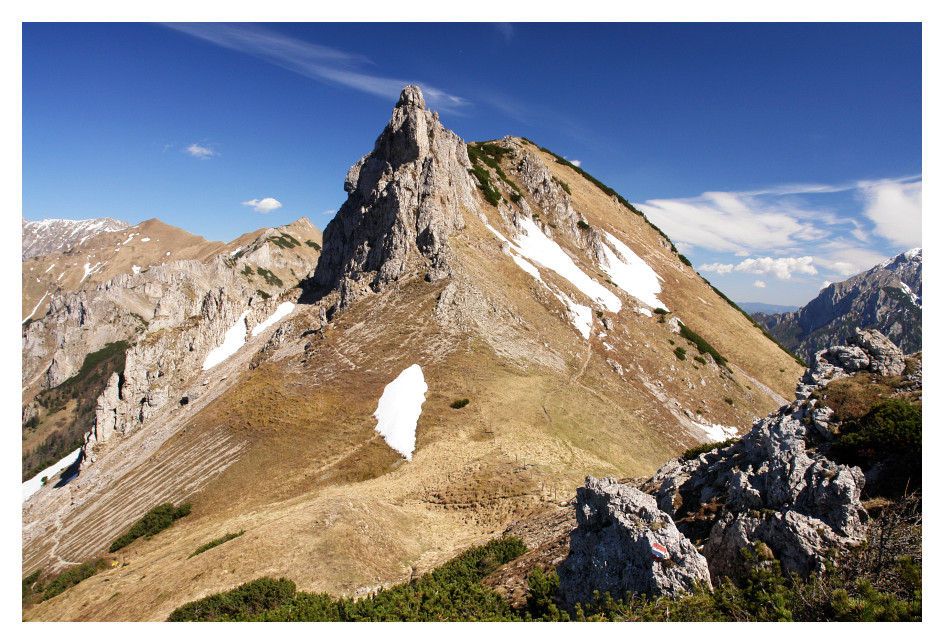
pixel 886 297
pixel 59 235
pixel 761 307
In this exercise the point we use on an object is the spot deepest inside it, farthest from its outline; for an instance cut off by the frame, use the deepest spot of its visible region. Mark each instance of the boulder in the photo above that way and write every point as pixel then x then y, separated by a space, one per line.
pixel 611 550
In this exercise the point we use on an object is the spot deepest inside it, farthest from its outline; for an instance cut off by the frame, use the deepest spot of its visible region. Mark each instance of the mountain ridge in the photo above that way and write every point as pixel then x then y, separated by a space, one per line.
pixel 886 297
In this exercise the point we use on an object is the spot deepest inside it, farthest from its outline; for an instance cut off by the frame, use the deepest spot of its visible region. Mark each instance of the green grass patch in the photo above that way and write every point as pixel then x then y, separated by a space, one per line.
pixel 216 542
pixel 155 520
pixel 459 404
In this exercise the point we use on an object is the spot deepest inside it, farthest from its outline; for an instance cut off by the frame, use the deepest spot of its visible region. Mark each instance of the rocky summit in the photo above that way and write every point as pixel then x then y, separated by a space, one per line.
pixel 405 199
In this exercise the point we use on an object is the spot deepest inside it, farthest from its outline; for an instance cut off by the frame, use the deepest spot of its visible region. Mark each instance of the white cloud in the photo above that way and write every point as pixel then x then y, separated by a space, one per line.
pixel 895 207
pixel 199 151
pixel 718 268
pixel 736 223
pixel 313 61
pixel 781 267
pixel 329 212
pixel 760 284
pixel 576 162
pixel 265 206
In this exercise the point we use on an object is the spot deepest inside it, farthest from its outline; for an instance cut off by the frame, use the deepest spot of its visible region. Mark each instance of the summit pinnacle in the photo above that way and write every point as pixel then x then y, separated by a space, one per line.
pixel 404 200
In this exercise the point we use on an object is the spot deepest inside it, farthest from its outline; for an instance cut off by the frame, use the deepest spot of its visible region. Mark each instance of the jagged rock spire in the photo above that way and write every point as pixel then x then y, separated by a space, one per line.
pixel 405 198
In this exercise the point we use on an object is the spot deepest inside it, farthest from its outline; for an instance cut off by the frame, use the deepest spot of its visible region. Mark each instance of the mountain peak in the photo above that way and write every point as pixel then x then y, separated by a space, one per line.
pixel 404 199
pixel 412 96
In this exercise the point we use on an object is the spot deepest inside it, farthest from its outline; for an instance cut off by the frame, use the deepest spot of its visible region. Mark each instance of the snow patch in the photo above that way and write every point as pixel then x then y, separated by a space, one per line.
pixel 145 239
pixel 33 485
pixel 284 309
pixel 644 311
pixel 135 269
pixel 34 308
pixel 631 273
pixel 581 316
pixel 130 237
pixel 399 408
pixel 48 269
pixel 89 271
pixel 718 433
pixel 236 251
pixel 534 245
pixel 232 341
pixel 914 298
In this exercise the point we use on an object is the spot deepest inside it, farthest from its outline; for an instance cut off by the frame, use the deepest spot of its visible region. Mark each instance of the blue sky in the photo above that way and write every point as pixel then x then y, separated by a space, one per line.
pixel 778 157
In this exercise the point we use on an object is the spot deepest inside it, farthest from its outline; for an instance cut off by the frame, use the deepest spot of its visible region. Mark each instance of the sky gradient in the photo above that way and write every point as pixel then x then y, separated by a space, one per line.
pixel 778 157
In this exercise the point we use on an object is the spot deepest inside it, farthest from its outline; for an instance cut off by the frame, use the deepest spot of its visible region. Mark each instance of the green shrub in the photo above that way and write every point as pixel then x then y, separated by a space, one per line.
pixel 693 453
pixel 270 278
pixel 584 225
pixel 284 241
pixel 680 353
pixel 562 185
pixel 239 604
pixel 730 401
pixel 892 426
pixel 247 270
pixel 154 521
pixel 313 244
pixel 702 345
pixel 229 537
pixel 29 581
pixel 459 404
pixel 451 592
pixel 661 311
pixel 263 294
pixel 700 360
pixel 73 576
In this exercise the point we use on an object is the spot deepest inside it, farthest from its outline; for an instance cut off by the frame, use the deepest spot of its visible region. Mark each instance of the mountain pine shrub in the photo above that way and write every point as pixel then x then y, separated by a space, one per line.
pixel 155 520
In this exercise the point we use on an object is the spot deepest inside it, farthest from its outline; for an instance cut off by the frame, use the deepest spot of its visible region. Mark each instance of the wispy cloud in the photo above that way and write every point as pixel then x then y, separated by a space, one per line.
pixel 506 30
pixel 265 206
pixel 781 222
pixel 314 61
pixel 759 284
pixel 200 151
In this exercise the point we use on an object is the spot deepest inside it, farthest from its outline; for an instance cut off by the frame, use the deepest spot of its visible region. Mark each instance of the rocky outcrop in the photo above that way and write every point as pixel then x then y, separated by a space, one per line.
pixel 886 298
pixel 405 199
pixel 868 351
pixel 774 485
pixel 611 550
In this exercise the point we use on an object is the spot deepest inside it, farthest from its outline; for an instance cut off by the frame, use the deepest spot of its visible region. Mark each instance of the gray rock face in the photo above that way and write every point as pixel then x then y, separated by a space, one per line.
pixel 405 199
pixel 886 297
pixel 611 548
